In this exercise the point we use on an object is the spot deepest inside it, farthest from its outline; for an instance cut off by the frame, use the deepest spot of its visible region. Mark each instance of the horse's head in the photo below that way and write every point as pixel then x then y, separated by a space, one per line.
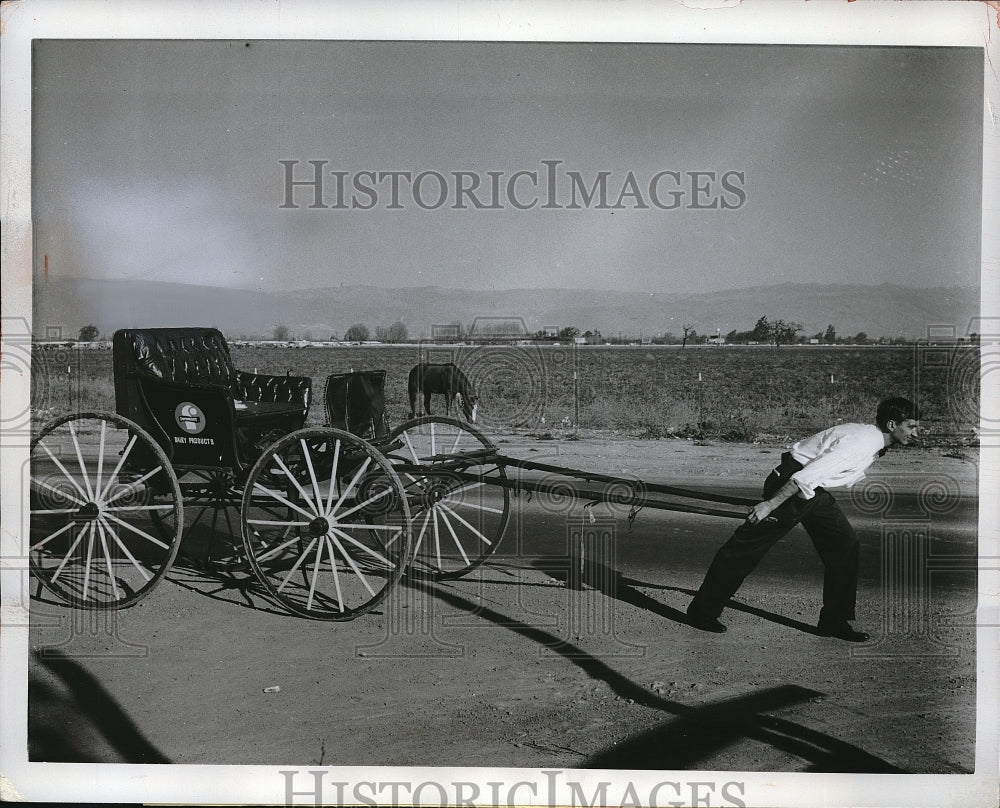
pixel 470 405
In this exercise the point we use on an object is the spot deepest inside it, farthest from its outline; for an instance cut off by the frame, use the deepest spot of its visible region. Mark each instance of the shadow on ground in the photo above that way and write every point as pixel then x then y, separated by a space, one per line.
pixel 72 718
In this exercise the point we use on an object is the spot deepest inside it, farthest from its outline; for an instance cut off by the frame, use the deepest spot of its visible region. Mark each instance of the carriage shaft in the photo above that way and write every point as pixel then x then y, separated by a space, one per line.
pixel 458 464
pixel 634 499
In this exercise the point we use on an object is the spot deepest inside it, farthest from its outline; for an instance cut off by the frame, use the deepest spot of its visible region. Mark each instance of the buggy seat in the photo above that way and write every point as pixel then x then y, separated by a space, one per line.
pixel 181 385
pixel 355 402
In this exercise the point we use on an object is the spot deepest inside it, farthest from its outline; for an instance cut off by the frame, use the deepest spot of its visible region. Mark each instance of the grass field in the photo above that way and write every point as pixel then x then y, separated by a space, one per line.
pixel 736 393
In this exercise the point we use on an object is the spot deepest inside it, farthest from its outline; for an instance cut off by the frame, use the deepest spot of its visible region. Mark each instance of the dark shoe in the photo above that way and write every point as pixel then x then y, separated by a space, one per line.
pixel 842 631
pixel 705 623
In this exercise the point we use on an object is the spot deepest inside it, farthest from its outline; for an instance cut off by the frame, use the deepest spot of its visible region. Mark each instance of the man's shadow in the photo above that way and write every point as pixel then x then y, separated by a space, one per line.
pixel 594 573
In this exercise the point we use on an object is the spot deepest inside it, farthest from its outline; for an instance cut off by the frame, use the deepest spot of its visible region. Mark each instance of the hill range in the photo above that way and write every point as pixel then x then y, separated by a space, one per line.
pixel 879 310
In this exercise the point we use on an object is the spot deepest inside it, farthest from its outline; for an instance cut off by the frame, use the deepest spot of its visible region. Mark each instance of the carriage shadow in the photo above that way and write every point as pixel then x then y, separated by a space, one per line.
pixel 224 583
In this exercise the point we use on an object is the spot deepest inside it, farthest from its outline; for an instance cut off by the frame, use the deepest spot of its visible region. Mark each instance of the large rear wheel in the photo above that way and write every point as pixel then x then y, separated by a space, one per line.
pixel 98 482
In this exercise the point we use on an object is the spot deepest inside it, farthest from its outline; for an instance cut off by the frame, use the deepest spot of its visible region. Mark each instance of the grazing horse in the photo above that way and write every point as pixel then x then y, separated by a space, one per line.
pixel 446 380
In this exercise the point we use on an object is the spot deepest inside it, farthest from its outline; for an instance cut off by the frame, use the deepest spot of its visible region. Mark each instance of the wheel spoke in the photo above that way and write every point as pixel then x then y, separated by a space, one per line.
pixel 107 558
pixel 132 486
pixel 275 495
pixel 312 505
pixel 69 553
pixel 357 526
pixel 125 550
pixel 363 547
pixel 464 522
pixel 409 445
pixel 473 505
pixel 90 555
pixel 135 530
pixel 118 467
pixel 423 530
pixel 333 476
pixel 454 536
pixel 437 538
pixel 350 486
pixel 100 457
pixel 69 477
pixel 275 522
pixel 119 508
pixel 384 492
pixel 51 536
pixel 79 457
pixel 277 549
pixel 312 473
pixel 333 568
pixel 296 565
pixel 315 575
pixel 350 562
pixel 54 511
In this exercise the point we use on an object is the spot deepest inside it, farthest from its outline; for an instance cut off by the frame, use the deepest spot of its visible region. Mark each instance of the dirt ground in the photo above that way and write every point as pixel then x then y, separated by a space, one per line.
pixel 511 668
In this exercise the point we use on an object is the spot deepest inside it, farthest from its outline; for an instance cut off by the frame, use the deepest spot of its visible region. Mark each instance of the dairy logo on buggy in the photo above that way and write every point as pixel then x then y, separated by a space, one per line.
pixel 189 418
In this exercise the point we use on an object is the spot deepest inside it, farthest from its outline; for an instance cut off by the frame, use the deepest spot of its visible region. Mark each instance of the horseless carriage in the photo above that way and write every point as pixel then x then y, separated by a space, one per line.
pixel 329 518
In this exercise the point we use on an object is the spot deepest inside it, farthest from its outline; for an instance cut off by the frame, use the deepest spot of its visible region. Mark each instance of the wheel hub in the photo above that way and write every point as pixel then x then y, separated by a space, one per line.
pixel 319 526
pixel 89 512
pixel 434 494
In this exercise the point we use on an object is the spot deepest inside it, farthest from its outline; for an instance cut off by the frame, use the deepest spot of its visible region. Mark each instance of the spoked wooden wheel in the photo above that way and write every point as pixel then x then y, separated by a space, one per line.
pixel 326 526
pixel 458 516
pixel 97 481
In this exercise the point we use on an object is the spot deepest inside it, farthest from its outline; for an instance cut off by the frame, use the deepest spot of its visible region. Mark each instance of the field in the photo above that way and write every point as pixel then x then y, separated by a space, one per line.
pixel 732 393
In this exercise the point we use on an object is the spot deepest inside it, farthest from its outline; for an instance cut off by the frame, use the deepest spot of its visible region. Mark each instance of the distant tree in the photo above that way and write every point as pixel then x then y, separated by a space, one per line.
pixel 89 333
pixel 690 335
pixel 783 333
pixel 569 333
pixel 761 331
pixel 281 332
pixel 398 332
pixel 357 333
pixel 861 338
pixel 830 335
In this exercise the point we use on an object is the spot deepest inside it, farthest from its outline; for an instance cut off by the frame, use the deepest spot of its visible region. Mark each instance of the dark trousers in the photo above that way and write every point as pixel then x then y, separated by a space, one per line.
pixel 827 526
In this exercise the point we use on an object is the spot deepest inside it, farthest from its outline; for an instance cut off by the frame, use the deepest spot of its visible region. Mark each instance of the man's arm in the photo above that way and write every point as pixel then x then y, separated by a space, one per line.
pixel 760 511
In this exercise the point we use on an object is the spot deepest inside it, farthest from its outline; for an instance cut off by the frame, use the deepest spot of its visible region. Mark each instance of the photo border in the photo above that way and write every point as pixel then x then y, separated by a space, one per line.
pixel 945 24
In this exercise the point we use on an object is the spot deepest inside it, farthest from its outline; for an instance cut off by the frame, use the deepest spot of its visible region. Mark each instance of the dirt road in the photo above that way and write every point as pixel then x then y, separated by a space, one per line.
pixel 511 668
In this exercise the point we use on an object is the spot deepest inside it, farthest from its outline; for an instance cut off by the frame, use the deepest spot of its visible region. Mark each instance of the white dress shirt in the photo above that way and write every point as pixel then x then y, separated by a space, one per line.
pixel 836 457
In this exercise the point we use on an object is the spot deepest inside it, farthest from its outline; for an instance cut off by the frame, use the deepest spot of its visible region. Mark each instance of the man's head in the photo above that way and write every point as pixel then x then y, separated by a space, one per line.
pixel 899 419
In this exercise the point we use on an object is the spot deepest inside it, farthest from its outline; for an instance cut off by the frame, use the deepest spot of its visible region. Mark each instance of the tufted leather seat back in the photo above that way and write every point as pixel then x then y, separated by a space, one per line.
pixel 186 355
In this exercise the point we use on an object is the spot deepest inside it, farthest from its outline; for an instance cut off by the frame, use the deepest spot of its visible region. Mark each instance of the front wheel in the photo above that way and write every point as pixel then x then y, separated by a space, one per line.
pixel 326 525
pixel 461 504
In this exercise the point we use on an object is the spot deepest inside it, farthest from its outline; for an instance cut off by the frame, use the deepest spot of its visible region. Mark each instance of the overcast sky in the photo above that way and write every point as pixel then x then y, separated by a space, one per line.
pixel 161 161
